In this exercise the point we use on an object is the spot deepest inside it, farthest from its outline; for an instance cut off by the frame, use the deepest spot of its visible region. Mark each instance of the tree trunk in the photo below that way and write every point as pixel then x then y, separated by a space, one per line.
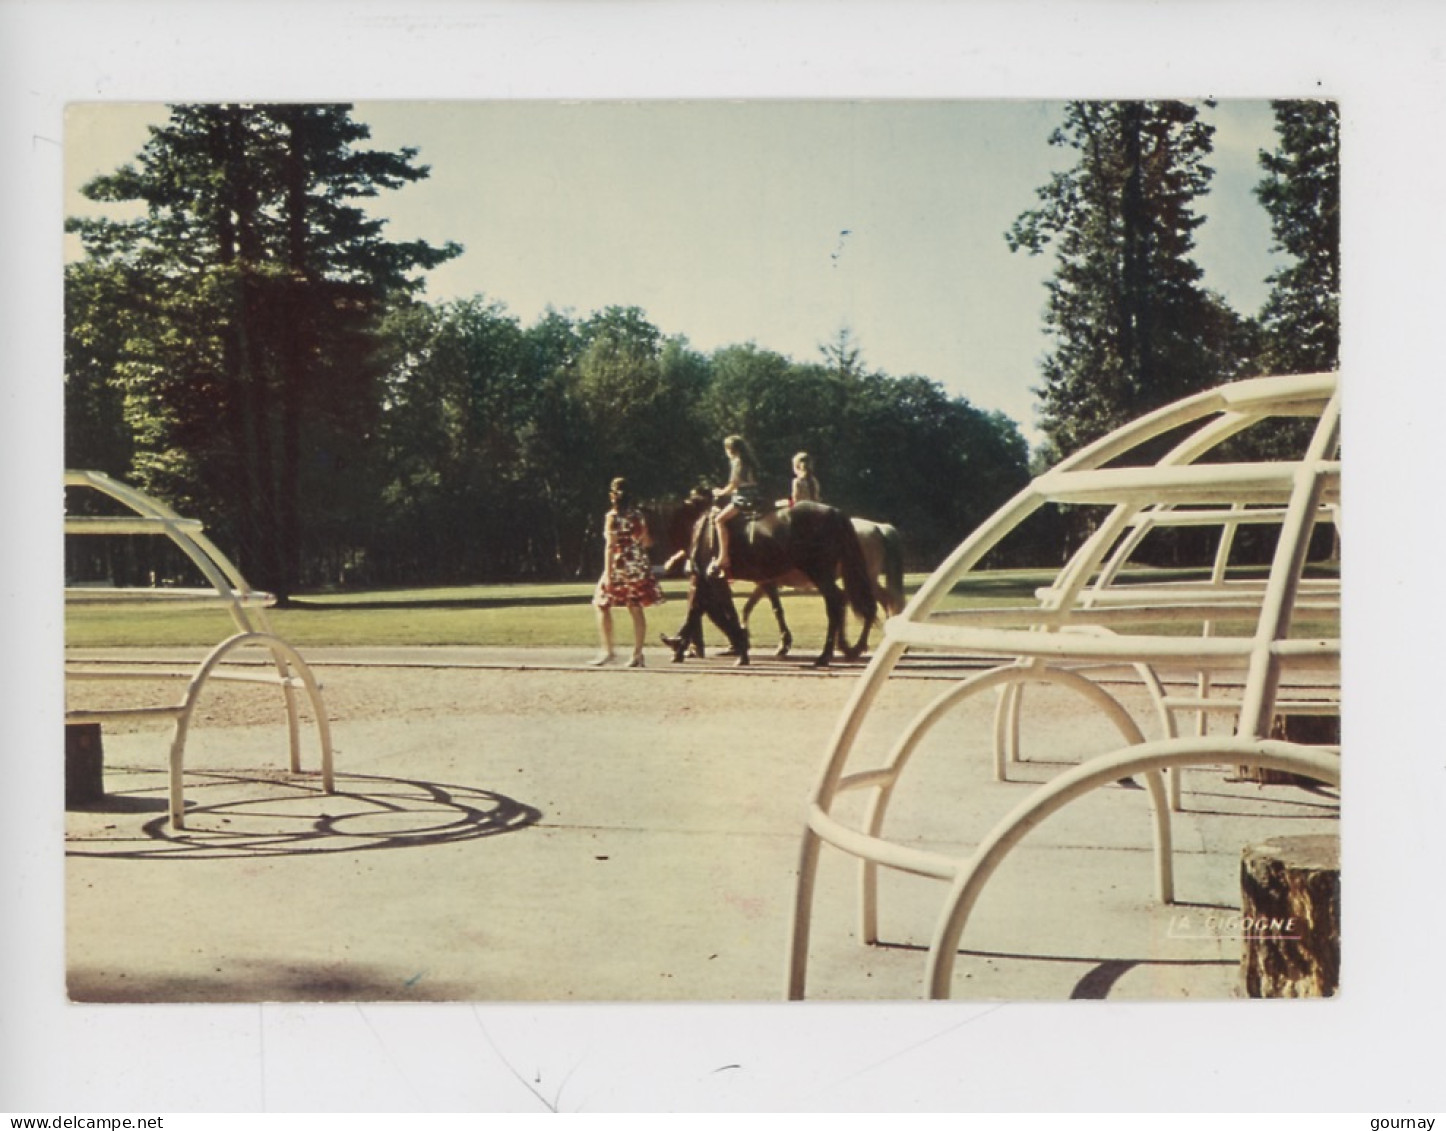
pixel 295 354
pixel 1291 917
pixel 1309 730
pixel 242 199
pixel 237 361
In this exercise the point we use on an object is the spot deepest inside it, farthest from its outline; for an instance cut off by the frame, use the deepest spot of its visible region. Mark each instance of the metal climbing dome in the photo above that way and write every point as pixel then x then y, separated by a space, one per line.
pixel 1224 652
pixel 226 589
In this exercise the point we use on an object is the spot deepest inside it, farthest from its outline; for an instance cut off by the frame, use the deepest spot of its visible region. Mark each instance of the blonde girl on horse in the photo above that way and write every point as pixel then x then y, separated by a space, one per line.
pixel 741 491
pixel 805 483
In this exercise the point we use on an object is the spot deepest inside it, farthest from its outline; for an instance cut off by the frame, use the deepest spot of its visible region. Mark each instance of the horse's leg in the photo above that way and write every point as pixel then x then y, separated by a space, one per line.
pixel 860 586
pixel 856 652
pixel 859 650
pixel 785 638
pixel 833 601
pixel 751 604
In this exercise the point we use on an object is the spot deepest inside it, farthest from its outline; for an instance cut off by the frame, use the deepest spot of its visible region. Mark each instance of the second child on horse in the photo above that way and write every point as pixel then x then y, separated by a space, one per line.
pixel 805 487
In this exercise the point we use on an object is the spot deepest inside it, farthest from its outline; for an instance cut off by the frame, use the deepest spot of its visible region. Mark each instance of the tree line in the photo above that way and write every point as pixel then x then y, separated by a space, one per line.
pixel 253 350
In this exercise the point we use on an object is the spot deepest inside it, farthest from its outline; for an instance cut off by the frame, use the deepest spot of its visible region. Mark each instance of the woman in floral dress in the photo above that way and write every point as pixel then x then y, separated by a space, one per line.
pixel 627 577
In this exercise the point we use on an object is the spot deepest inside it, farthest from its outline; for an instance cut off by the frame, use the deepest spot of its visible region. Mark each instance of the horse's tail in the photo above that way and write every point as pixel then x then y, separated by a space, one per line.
pixel 858 586
pixel 893 568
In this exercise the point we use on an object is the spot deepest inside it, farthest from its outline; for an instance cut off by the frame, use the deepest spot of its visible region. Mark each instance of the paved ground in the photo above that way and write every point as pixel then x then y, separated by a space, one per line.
pixel 513 826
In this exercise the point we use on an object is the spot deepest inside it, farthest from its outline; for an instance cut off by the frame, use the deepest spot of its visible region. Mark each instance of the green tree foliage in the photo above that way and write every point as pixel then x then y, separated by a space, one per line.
pixel 249 368
pixel 97 306
pixel 780 406
pixel 254 351
pixel 1302 193
pixel 933 465
pixel 454 435
pixel 629 405
pixel 500 441
pixel 1130 324
pixel 568 487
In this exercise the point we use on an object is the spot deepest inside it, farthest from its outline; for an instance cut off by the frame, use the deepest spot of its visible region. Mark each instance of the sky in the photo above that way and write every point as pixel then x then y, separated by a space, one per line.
pixel 778 222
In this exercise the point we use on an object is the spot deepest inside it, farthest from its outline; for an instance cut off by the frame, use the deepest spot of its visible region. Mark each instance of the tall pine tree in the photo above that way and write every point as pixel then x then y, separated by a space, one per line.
pixel 1302 193
pixel 257 281
pixel 1130 323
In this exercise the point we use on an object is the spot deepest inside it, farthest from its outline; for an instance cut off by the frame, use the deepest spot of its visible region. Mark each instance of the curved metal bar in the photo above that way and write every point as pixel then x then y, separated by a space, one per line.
pixel 213 564
pixel 1156 687
pixel 1007 725
pixel 845 733
pixel 969 554
pixel 244 604
pixel 1267 395
pixel 280 650
pixel 1007 713
pixel 1315 762
pixel 1010 677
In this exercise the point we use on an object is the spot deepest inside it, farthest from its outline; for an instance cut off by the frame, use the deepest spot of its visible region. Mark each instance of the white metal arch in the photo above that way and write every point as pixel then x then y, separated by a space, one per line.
pixel 1092 619
pixel 228 590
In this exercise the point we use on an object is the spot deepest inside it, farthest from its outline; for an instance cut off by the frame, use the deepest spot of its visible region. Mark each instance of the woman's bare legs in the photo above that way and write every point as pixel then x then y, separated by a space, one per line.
pixel 605 630
pixel 640 631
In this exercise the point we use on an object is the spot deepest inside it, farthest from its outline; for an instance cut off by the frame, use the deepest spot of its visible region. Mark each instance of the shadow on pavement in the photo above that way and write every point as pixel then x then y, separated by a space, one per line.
pixel 250 815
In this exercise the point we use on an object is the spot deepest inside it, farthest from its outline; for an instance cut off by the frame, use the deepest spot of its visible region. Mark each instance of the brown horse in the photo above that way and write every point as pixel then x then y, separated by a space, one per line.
pixel 883 557
pixel 809 540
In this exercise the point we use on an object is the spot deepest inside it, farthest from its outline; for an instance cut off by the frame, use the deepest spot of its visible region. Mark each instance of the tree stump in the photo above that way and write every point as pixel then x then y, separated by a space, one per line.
pixel 1310 730
pixel 84 778
pixel 1291 917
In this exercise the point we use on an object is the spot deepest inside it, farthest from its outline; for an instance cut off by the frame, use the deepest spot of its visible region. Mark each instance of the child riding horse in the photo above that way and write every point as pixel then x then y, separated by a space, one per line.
pixel 810 539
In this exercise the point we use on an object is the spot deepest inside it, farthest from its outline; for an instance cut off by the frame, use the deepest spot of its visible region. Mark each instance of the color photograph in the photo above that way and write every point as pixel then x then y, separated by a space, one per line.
pixel 694 555
pixel 290 463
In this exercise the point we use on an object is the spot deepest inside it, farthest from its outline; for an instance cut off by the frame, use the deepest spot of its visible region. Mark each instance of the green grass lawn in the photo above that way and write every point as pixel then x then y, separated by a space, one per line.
pixel 499 615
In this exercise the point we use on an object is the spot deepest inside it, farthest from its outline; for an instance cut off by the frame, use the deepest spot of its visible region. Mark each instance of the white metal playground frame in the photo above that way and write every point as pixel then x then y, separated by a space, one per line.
pixel 1091 622
pixel 228 590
